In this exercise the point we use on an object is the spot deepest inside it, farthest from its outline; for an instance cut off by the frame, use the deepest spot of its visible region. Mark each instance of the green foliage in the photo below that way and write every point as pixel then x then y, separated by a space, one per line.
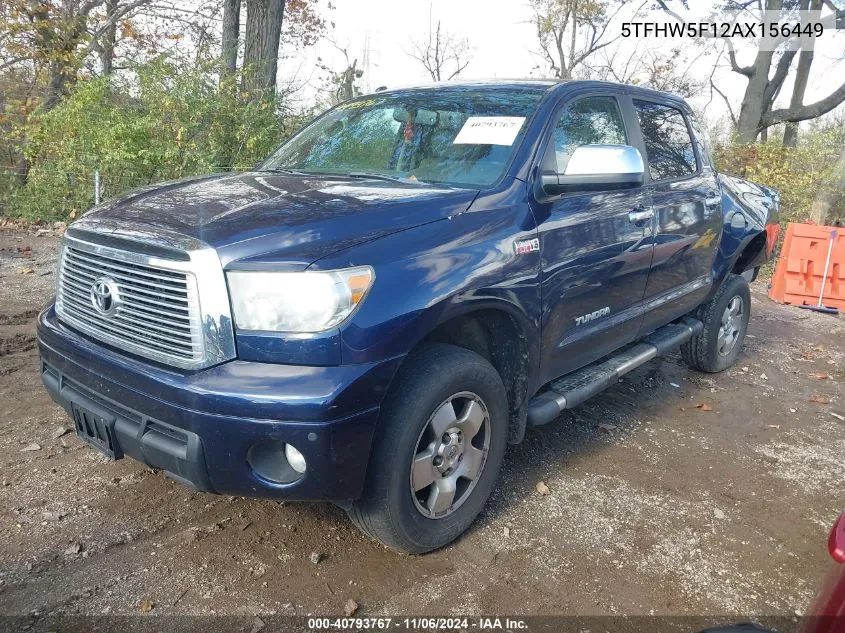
pixel 809 178
pixel 167 120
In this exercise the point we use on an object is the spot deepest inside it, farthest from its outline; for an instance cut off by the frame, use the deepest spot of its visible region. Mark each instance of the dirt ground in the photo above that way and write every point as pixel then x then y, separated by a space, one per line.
pixel 657 505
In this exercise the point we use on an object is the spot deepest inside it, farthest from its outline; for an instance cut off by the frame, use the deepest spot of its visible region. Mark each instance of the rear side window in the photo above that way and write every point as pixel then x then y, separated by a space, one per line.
pixel 667 141
pixel 587 121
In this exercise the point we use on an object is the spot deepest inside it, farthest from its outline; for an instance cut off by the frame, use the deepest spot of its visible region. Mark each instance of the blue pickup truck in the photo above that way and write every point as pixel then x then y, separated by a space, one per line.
pixel 371 315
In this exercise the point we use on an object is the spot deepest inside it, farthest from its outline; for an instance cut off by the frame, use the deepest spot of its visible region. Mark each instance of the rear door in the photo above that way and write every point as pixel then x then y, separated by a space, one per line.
pixel 686 199
pixel 595 255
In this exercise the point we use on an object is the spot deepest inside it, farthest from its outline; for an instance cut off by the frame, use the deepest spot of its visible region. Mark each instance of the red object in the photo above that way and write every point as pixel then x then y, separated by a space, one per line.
pixel 409 131
pixel 801 267
pixel 836 541
pixel 827 614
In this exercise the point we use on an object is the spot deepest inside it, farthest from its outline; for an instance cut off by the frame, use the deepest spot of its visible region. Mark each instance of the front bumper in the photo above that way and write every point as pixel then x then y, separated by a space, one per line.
pixel 200 426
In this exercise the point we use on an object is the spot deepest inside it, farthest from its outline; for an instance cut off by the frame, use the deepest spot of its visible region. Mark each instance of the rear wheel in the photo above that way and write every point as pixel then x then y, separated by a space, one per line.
pixel 437 452
pixel 725 319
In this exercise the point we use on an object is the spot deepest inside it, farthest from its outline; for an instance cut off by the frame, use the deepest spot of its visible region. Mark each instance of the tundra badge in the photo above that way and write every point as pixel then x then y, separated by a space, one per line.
pixel 581 320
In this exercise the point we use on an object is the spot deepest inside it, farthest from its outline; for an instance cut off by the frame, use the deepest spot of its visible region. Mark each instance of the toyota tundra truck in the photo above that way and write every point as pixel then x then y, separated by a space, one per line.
pixel 374 313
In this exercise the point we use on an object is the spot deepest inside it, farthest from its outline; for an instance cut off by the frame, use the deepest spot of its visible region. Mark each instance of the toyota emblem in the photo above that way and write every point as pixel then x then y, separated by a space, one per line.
pixel 104 296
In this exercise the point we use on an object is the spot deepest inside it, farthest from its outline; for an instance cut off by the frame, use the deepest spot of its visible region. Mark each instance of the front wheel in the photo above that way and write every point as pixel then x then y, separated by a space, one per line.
pixel 725 319
pixel 437 452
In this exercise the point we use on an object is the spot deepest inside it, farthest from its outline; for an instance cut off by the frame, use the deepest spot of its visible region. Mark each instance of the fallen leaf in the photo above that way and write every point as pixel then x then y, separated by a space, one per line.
pixel 31 447
pixel 59 432
pixel 542 488
pixel 74 548
pixel 350 608
pixel 773 426
pixel 819 399
pixel 819 348
pixel 704 407
pixel 146 605
pixel 25 271
pixel 607 428
pixel 819 376
pixel 257 625
pixel 72 214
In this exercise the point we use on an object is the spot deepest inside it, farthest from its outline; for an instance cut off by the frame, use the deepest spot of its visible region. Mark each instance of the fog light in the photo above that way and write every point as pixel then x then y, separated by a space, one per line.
pixel 295 459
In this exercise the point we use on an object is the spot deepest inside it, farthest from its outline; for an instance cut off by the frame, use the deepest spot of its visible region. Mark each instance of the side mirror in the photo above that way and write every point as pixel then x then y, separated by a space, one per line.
pixel 597 168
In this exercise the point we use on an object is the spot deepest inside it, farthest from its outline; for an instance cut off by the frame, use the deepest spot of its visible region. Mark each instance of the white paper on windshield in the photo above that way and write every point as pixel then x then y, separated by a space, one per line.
pixel 489 130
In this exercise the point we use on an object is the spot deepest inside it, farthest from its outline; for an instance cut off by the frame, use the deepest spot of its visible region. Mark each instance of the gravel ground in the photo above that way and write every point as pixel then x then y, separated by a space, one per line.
pixel 673 493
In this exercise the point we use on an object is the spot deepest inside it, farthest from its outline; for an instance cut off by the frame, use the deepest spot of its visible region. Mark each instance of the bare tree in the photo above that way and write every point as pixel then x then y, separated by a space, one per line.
pixel 109 39
pixel 343 85
pixel 58 36
pixel 261 47
pixel 230 35
pixel 766 76
pixel 570 31
pixel 442 54
pixel 642 66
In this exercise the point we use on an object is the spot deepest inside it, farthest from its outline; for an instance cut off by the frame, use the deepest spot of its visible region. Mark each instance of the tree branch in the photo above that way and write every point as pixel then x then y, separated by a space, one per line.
pixel 802 113
pixel 776 82
pixel 727 102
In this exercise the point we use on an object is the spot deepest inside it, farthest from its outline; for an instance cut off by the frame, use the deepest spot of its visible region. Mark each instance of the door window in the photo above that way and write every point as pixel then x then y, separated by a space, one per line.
pixel 667 141
pixel 587 121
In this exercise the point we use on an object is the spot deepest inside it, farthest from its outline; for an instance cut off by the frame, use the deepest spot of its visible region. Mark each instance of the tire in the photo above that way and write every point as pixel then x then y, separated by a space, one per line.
pixel 434 378
pixel 725 319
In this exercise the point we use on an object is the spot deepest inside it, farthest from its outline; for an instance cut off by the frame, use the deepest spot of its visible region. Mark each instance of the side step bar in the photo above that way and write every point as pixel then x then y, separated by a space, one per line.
pixel 573 389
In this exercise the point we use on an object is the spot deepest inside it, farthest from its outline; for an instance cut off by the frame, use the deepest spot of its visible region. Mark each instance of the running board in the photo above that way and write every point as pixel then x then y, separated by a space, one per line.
pixel 572 389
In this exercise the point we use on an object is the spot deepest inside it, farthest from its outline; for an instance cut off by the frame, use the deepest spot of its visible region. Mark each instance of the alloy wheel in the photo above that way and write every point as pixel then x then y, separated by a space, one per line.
pixel 731 326
pixel 450 455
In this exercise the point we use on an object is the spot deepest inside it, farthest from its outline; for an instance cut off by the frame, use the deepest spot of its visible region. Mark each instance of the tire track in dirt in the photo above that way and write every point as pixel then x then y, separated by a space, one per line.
pixel 16 343
pixel 20 318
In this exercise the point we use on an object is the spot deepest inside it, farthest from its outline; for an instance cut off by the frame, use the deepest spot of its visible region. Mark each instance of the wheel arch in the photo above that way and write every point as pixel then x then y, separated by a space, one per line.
pixel 752 255
pixel 498 332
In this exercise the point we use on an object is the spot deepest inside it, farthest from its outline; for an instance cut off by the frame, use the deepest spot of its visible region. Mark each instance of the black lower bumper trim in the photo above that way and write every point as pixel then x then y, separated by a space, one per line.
pixel 128 432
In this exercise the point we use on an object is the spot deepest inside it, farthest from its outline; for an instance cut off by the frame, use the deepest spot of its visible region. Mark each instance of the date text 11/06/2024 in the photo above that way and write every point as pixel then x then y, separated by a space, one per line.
pixel 418 624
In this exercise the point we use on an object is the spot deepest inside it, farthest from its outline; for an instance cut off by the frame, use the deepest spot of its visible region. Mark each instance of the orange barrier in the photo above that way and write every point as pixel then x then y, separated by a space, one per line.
pixel 801 266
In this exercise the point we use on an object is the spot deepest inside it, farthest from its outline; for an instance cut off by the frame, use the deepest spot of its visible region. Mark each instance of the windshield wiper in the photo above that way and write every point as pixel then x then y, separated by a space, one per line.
pixel 284 170
pixel 404 181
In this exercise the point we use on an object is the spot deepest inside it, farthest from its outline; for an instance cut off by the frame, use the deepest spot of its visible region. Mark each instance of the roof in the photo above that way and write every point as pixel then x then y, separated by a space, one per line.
pixel 536 84
pixel 541 84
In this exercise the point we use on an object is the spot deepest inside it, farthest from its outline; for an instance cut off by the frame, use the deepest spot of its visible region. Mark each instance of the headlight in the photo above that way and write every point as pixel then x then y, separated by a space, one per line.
pixel 296 302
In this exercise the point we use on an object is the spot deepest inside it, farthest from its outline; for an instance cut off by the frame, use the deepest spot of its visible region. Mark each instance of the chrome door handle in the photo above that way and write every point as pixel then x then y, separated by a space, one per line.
pixel 640 215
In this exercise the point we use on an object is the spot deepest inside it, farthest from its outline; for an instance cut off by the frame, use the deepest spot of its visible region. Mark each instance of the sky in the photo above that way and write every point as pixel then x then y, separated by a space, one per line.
pixel 504 45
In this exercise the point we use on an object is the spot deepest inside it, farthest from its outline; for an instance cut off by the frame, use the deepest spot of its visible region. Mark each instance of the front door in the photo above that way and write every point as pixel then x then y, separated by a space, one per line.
pixel 595 254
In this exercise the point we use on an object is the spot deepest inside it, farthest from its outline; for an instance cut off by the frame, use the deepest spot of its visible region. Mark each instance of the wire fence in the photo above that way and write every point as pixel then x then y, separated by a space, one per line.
pixel 82 187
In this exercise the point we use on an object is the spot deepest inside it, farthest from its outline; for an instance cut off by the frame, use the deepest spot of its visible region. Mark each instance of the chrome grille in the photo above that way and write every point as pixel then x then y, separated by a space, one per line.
pixel 156 312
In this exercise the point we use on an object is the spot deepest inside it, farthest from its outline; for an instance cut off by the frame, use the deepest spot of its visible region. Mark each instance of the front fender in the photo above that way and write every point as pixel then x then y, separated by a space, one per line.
pixel 435 272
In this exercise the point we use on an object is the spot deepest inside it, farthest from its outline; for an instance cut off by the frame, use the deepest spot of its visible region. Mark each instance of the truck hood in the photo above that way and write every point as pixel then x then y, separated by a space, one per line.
pixel 270 217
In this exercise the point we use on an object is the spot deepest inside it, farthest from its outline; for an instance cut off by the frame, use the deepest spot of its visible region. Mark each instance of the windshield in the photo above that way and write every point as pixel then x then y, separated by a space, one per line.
pixel 458 137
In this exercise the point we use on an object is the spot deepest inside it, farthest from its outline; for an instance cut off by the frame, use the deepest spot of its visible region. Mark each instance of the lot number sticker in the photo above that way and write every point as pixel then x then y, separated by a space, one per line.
pixel 489 130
